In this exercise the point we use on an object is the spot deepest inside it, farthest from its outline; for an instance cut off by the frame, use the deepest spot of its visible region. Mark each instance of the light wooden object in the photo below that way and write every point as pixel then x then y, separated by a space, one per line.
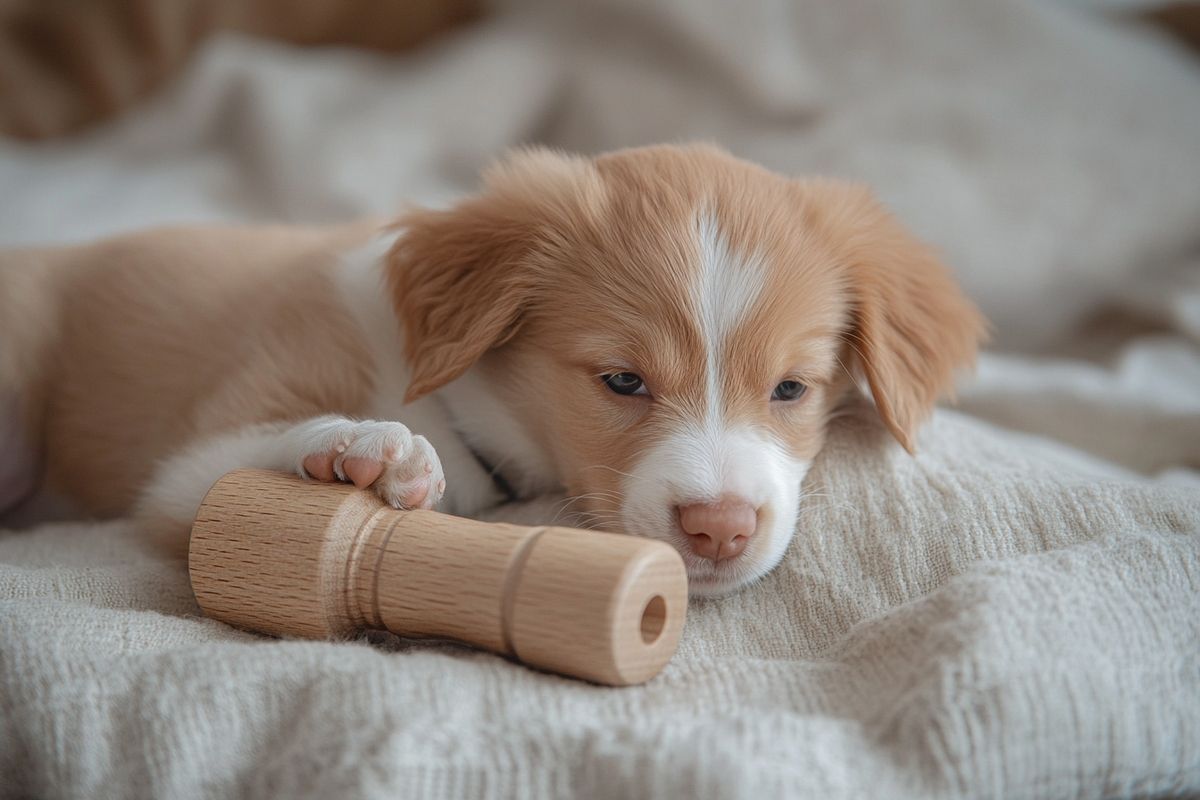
pixel 276 554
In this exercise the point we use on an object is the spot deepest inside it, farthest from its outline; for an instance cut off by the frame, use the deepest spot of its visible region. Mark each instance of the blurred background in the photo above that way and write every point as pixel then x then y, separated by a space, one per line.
pixel 1051 150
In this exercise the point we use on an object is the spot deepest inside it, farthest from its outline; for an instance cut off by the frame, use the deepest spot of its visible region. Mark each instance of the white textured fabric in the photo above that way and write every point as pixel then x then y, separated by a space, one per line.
pixel 1002 616
pixel 996 618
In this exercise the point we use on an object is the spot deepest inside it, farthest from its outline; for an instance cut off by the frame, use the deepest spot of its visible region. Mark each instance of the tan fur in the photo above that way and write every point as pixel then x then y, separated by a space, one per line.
pixel 460 277
pixel 29 325
pixel 562 270
pixel 913 327
pixel 162 337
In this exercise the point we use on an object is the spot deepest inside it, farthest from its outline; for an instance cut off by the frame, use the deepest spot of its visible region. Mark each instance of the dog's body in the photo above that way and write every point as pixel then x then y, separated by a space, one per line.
pixel 156 341
pixel 663 333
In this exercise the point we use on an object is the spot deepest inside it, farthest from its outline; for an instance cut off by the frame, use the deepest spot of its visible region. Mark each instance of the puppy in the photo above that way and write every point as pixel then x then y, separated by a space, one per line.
pixel 662 333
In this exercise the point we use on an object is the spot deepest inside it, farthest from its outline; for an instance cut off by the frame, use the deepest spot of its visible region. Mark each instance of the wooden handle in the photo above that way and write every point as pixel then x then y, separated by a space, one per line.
pixel 276 554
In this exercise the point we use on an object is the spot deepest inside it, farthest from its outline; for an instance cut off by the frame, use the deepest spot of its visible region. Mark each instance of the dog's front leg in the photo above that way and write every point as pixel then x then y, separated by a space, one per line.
pixel 402 468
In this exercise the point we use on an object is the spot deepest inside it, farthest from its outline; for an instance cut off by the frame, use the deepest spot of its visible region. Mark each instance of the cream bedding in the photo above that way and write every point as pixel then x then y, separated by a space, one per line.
pixel 1013 613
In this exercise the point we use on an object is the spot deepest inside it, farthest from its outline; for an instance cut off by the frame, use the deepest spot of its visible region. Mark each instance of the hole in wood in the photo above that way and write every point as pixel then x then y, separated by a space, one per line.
pixel 654 619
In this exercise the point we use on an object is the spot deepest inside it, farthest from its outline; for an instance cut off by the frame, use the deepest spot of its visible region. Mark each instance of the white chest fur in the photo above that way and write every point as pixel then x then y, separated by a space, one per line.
pixel 460 420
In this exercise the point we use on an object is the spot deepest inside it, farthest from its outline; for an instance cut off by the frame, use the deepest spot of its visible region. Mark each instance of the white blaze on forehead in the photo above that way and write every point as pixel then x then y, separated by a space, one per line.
pixel 703 459
pixel 726 289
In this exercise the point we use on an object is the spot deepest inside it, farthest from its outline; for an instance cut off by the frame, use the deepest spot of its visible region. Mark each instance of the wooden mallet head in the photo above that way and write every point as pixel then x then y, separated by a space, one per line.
pixel 276 554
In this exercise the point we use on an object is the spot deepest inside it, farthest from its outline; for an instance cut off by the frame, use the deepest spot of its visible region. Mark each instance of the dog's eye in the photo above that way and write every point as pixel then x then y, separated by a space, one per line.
pixel 788 390
pixel 625 383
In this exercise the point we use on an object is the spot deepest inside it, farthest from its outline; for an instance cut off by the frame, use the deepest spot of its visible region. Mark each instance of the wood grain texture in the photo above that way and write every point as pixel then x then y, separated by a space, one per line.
pixel 273 553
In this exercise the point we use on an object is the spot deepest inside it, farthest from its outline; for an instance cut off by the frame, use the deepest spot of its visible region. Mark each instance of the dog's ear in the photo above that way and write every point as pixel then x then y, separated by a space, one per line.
pixel 913 327
pixel 461 279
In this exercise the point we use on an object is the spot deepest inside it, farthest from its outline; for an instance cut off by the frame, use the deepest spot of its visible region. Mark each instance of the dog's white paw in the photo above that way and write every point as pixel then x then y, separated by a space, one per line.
pixel 403 469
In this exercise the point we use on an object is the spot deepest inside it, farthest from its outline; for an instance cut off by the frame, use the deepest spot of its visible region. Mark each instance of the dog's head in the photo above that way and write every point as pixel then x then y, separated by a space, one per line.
pixel 673 328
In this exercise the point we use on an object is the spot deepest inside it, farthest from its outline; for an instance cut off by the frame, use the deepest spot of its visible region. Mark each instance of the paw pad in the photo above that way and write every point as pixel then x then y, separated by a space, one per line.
pixel 403 469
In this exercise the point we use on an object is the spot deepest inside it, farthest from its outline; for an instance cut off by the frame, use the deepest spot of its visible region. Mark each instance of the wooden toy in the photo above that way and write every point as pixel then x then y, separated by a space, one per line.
pixel 276 554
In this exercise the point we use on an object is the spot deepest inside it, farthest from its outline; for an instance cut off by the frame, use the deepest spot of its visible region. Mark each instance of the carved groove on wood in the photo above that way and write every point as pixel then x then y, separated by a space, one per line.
pixel 276 554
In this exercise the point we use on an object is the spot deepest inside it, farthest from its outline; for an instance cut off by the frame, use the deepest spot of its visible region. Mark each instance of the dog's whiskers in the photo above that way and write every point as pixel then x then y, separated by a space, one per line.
pixel 591 520
pixel 610 469
pixel 564 505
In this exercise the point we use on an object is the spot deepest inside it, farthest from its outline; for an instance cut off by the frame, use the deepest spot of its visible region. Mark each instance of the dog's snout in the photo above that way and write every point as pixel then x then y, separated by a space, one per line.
pixel 718 530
